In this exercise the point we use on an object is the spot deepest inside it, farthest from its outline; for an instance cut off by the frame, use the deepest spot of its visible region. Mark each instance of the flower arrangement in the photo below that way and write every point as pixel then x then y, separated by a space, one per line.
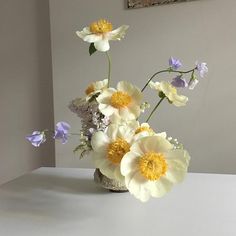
pixel 123 149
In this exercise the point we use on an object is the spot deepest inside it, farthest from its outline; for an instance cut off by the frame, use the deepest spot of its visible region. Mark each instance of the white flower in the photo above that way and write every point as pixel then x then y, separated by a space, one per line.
pixel 100 33
pixel 123 102
pixel 95 88
pixel 109 147
pixel 152 166
pixel 170 92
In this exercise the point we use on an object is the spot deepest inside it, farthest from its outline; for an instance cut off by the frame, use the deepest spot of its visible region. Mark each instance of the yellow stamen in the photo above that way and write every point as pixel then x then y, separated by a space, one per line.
pixel 100 27
pixel 90 89
pixel 117 149
pixel 120 100
pixel 144 128
pixel 152 165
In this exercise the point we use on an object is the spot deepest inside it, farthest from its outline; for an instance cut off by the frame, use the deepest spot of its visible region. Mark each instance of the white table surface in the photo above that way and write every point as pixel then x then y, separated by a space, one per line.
pixel 61 201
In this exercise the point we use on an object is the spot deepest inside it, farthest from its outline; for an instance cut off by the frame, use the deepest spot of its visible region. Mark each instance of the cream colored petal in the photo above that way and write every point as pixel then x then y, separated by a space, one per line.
pixel 118 33
pixel 162 134
pixel 137 186
pixel 106 110
pixel 129 163
pixel 155 144
pixel 135 110
pixel 105 96
pixel 92 38
pixel 99 159
pixel 112 131
pixel 126 114
pixel 118 176
pixel 160 187
pixel 179 100
pixel 102 45
pixel 99 85
pixel 125 132
pixel 108 169
pixel 99 142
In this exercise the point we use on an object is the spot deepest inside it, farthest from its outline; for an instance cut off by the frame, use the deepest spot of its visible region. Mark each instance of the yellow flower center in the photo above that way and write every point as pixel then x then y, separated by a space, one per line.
pixel 117 149
pixel 143 128
pixel 100 27
pixel 120 100
pixel 90 89
pixel 152 165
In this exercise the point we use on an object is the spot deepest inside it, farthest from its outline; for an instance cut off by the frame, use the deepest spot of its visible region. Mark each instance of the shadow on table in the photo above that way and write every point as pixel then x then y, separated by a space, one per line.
pixel 55 183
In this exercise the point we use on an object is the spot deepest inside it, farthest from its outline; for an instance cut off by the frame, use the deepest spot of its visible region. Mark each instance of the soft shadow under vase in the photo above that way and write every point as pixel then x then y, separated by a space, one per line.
pixel 110 184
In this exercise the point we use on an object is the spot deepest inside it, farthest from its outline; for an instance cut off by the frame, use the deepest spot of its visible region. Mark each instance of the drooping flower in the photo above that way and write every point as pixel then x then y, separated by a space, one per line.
pixel 95 88
pixel 192 83
pixel 152 166
pixel 202 68
pixel 36 138
pixel 109 147
pixel 61 131
pixel 100 32
pixel 123 102
pixel 178 82
pixel 170 92
pixel 174 63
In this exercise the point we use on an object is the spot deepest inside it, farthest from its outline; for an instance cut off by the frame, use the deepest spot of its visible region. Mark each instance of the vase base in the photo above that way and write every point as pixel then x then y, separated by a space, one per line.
pixel 111 184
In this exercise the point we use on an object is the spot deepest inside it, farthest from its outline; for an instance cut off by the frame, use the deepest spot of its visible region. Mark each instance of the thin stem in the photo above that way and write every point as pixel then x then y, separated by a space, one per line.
pixel 154 109
pixel 109 69
pixel 164 71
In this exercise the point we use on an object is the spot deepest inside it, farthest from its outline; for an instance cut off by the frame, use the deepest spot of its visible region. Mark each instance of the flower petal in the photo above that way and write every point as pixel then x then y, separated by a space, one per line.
pixel 118 33
pixel 102 45
pixel 99 142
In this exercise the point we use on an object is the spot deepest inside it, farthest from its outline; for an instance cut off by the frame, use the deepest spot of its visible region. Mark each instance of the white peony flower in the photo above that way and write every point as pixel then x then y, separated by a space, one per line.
pixel 96 87
pixel 152 166
pixel 100 32
pixel 170 92
pixel 109 147
pixel 123 102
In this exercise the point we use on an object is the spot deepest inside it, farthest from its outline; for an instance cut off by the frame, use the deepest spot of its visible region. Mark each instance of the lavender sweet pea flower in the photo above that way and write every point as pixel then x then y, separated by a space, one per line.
pixel 179 83
pixel 192 83
pixel 61 131
pixel 202 68
pixel 174 63
pixel 36 138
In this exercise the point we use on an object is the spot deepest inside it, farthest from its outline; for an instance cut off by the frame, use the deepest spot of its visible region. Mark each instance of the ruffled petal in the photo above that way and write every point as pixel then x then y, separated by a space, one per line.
pixel 118 33
pixel 99 142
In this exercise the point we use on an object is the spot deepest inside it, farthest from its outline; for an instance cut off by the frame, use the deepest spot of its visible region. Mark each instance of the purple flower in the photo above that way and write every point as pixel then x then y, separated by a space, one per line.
pixel 36 138
pixel 192 83
pixel 202 68
pixel 178 82
pixel 61 131
pixel 174 63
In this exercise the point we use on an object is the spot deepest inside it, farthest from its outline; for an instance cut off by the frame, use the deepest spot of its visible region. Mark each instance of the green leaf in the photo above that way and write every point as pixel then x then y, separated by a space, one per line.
pixel 92 49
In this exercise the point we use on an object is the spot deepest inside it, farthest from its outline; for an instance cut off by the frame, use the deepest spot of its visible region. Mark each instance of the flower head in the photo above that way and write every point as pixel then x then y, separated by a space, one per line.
pixel 61 131
pixel 152 166
pixel 170 92
pixel 174 63
pixel 109 147
pixel 123 102
pixel 36 138
pixel 202 68
pixel 178 82
pixel 100 32
pixel 96 87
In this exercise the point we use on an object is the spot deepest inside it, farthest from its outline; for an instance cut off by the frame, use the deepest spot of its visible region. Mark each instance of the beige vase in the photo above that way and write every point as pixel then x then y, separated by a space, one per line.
pixel 110 184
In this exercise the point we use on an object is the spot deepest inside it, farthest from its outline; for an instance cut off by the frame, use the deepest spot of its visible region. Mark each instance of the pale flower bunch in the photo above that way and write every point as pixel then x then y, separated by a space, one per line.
pixel 147 162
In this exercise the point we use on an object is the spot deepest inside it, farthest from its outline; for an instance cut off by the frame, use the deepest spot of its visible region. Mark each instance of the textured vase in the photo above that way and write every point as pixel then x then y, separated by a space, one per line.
pixel 110 184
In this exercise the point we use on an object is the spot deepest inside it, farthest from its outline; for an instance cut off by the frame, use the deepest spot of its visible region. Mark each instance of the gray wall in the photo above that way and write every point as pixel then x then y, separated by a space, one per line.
pixel 26 100
pixel 203 30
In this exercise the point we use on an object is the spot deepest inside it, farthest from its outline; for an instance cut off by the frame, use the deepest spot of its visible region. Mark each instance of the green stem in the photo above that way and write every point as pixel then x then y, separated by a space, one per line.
pixel 154 109
pixel 109 69
pixel 164 71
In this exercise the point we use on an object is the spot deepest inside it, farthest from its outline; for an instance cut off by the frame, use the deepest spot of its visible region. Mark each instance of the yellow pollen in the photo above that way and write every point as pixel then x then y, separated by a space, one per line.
pixel 100 27
pixel 90 89
pixel 143 128
pixel 152 165
pixel 120 100
pixel 117 149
